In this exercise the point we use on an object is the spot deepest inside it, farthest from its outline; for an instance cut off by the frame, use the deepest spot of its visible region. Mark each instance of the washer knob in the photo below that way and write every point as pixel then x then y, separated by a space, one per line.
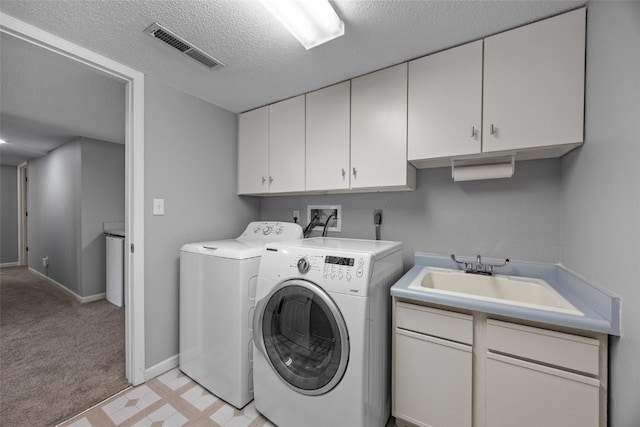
pixel 304 265
pixel 266 230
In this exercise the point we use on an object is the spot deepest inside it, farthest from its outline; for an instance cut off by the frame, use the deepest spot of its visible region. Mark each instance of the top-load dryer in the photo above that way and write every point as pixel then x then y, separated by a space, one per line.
pixel 217 291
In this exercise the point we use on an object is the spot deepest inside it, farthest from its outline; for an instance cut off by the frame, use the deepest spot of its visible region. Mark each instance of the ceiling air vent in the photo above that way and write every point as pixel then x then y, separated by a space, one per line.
pixel 157 31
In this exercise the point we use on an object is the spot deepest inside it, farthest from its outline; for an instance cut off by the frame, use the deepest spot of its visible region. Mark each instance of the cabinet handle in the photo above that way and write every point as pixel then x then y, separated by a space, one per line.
pixel 354 172
pixel 492 130
pixel 473 131
pixel 270 179
pixel 343 173
pixel 263 180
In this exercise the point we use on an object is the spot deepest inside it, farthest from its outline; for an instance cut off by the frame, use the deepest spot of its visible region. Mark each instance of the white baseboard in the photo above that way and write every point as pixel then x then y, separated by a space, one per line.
pixel 160 368
pixel 77 297
pixel 10 264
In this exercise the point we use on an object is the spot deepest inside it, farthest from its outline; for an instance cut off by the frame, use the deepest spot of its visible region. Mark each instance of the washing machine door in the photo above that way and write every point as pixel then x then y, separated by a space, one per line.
pixel 301 332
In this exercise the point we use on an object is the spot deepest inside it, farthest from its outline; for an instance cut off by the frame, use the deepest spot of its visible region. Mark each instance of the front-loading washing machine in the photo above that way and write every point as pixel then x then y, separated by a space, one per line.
pixel 217 292
pixel 321 332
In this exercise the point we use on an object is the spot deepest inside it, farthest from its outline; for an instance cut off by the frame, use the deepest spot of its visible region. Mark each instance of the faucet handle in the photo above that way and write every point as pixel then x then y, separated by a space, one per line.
pixel 488 268
pixel 467 265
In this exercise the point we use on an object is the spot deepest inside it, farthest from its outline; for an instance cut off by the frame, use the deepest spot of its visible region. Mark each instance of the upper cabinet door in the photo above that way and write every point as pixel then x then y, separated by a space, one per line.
pixel 445 103
pixel 534 84
pixel 253 151
pixel 379 128
pixel 328 138
pixel 286 145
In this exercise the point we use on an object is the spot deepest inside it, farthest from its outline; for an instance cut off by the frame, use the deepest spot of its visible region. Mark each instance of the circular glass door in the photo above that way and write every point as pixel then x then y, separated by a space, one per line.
pixel 304 336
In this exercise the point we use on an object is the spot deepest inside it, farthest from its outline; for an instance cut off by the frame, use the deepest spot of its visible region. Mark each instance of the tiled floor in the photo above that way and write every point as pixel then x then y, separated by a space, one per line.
pixel 172 399
pixel 169 400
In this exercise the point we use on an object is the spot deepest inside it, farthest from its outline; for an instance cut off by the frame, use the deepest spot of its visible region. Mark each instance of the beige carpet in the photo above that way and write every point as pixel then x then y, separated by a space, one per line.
pixel 57 357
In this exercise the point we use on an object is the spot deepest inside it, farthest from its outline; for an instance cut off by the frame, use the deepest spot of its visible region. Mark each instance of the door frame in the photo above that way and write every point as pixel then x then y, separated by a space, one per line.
pixel 134 177
pixel 23 233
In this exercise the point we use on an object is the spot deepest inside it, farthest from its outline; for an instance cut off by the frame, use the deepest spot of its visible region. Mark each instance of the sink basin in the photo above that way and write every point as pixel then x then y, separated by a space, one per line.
pixel 519 291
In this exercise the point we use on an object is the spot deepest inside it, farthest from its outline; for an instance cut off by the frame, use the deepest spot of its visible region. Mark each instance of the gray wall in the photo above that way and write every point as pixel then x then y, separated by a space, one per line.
pixel 8 214
pixel 102 200
pixel 72 191
pixel 190 161
pixel 54 214
pixel 601 214
pixel 517 218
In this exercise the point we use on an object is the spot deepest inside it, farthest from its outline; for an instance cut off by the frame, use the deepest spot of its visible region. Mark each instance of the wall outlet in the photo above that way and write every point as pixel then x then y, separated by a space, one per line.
pixel 377 216
pixel 296 216
pixel 45 261
pixel 333 213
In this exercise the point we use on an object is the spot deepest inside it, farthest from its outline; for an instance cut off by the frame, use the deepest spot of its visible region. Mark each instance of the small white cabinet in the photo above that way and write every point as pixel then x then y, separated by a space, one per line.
pixel 328 138
pixel 538 377
pixel 379 130
pixel 271 148
pixel 432 367
pixel 445 103
pixel 534 84
pixel 253 151
pixel 287 145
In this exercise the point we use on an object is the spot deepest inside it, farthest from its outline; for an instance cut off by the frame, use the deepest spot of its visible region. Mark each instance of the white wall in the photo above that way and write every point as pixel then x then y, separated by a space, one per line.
pixel 191 162
pixel 517 218
pixel 601 184
pixel 8 214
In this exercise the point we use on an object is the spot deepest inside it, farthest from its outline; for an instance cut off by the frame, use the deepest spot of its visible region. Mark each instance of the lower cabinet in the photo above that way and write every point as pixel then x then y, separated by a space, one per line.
pixel 446 365
pixel 455 369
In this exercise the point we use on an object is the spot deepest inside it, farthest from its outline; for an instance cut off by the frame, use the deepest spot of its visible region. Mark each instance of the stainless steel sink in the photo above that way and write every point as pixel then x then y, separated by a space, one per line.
pixel 519 291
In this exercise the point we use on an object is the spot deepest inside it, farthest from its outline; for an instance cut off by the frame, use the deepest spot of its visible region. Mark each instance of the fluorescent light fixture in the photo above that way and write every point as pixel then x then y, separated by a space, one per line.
pixel 483 171
pixel 312 22
pixel 2 141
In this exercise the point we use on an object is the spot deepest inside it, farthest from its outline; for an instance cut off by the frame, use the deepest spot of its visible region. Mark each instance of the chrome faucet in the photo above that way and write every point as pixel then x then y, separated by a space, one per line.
pixel 479 267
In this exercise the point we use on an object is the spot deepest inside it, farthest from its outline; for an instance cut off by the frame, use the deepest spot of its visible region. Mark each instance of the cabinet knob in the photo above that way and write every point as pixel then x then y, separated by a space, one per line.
pixel 354 172
pixel 263 179
pixel 270 179
pixel 343 173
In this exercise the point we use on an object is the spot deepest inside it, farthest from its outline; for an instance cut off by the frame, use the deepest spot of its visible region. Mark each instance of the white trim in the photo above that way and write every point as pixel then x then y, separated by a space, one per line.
pixel 134 177
pixel 160 368
pixel 22 218
pixel 68 291
pixel 10 264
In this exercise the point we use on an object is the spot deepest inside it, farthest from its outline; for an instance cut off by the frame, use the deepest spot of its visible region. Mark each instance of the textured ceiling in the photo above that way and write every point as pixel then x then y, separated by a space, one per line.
pixel 264 63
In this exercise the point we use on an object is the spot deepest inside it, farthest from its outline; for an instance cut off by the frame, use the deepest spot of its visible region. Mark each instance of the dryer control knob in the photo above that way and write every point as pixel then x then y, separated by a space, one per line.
pixel 304 265
pixel 267 230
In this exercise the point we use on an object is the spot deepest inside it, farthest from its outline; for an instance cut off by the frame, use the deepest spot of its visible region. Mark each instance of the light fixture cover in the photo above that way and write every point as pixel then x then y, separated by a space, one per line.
pixel 312 22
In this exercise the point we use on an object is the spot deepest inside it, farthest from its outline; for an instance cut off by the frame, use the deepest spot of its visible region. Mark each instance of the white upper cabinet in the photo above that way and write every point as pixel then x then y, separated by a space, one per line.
pixel 534 84
pixel 379 130
pixel 253 151
pixel 520 94
pixel 445 103
pixel 287 145
pixel 328 138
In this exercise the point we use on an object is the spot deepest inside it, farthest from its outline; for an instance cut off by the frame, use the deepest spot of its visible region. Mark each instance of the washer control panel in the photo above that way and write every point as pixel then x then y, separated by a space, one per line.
pixel 271 231
pixel 348 273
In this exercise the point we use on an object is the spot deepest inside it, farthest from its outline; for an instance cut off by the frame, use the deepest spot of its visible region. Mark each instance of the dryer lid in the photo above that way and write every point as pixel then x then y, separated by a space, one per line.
pixel 233 249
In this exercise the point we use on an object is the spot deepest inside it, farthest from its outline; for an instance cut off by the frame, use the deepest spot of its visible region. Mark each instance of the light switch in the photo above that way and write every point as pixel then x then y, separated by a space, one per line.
pixel 158 206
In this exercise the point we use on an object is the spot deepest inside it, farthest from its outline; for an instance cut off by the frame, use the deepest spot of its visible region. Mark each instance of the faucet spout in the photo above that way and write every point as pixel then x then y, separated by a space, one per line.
pixel 478 263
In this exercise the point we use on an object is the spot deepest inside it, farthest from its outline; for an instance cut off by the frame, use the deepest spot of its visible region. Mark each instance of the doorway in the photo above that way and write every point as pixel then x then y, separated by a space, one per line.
pixel 134 178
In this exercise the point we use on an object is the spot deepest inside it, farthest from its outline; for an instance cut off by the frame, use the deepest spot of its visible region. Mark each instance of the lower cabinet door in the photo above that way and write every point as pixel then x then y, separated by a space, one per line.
pixel 526 394
pixel 432 380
